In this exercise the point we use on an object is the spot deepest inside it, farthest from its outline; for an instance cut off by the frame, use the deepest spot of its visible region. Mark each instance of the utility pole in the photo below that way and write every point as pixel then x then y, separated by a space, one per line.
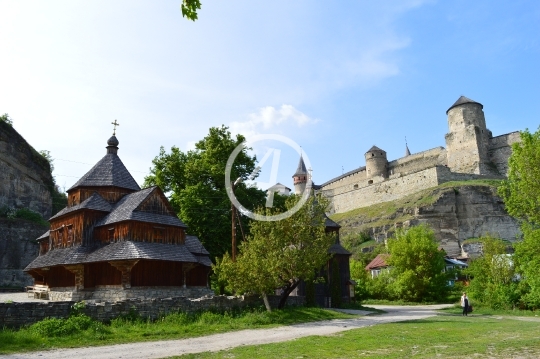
pixel 233 220
pixel 239 180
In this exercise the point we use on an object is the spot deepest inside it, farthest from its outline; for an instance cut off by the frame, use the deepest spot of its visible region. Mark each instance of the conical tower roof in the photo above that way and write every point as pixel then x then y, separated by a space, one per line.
pixel 301 169
pixel 463 100
pixel 375 148
pixel 407 152
pixel 109 171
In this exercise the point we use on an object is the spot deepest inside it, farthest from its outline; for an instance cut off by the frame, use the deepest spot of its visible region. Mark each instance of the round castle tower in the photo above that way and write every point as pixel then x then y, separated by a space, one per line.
pixel 300 177
pixel 376 163
pixel 467 141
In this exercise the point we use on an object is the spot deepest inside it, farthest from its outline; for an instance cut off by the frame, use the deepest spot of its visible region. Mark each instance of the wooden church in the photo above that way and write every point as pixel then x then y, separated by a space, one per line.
pixel 115 241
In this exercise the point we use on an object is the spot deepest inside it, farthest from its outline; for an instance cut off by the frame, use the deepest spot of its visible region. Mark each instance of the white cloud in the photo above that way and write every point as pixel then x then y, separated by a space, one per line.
pixel 271 118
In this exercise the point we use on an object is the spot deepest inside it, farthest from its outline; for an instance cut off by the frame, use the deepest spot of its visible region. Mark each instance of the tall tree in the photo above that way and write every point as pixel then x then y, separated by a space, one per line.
pixel 521 195
pixel 195 182
pixel 417 265
pixel 280 254
pixel 521 192
pixel 492 274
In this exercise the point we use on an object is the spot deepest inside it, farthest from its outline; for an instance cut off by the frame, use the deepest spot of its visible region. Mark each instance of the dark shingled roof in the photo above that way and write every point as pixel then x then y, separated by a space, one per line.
pixel 195 246
pixel 336 248
pixel 329 223
pixel 95 202
pixel 114 251
pixel 301 169
pixel 43 236
pixel 204 260
pixel 407 152
pixel 126 210
pixel 197 249
pixel 375 148
pixel 109 171
pixel 463 100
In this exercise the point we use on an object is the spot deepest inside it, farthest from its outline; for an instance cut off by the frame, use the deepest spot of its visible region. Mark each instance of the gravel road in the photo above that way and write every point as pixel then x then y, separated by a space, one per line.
pixel 217 342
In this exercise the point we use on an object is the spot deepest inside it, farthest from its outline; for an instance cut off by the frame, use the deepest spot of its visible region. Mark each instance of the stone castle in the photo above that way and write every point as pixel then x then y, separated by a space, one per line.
pixel 471 153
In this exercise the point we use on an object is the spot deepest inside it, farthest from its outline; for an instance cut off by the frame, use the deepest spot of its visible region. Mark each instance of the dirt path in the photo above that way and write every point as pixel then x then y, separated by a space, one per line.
pixel 217 342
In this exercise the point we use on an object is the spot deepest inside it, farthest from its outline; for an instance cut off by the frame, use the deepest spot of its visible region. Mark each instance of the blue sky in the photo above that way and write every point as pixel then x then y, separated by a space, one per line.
pixel 336 80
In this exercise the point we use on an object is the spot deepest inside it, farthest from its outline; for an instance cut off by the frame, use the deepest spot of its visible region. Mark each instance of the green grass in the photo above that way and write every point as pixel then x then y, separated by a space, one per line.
pixel 79 331
pixel 485 311
pixel 448 336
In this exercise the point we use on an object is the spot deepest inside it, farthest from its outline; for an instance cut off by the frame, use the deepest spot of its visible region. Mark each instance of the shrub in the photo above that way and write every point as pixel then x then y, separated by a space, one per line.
pixel 53 327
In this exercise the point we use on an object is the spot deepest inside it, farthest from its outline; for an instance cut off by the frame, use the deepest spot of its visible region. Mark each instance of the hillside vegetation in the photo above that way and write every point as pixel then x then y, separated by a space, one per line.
pixel 358 223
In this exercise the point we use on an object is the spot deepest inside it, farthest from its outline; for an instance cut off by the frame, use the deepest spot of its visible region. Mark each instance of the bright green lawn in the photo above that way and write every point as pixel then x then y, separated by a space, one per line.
pixel 83 331
pixel 445 336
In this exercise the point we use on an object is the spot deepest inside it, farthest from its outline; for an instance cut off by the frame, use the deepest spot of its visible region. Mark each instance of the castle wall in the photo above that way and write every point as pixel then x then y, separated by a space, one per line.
pixel 417 161
pixel 346 183
pixel 347 198
pixel 500 149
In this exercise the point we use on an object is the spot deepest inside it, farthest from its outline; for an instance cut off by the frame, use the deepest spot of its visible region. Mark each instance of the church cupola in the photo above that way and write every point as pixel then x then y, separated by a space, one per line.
pixel 112 145
pixel 300 177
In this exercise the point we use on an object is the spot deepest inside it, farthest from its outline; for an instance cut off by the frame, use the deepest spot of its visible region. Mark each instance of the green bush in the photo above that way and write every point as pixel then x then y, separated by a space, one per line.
pixel 53 327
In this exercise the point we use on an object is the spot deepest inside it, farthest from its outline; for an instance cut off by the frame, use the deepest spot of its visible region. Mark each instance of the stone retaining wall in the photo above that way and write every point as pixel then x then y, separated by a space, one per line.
pixel 14 315
pixel 114 294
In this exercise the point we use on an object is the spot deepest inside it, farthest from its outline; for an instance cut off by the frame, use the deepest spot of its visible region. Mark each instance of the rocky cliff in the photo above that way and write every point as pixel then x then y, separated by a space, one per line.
pixel 17 249
pixel 25 183
pixel 455 211
pixel 25 175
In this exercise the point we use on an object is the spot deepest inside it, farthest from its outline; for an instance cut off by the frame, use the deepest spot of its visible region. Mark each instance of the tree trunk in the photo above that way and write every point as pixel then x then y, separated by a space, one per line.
pixel 266 303
pixel 286 291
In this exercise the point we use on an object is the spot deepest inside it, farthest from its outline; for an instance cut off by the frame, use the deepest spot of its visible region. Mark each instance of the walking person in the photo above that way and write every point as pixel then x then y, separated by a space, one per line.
pixel 465 303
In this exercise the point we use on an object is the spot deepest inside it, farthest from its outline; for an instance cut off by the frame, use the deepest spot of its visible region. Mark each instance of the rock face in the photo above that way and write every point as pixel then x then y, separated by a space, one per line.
pixel 25 175
pixel 25 182
pixel 17 250
pixel 457 214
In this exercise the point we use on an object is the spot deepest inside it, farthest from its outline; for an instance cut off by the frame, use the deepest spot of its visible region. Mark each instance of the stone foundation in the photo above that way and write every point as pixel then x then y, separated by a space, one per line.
pixel 117 293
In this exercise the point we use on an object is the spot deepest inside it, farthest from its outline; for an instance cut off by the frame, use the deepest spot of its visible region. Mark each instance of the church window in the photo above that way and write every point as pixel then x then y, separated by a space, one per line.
pixel 60 235
pixel 111 235
pixel 70 234
pixel 372 155
pixel 158 234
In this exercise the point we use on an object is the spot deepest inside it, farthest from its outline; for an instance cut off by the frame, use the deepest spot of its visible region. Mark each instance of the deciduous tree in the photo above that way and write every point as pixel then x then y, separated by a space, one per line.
pixel 417 265
pixel 521 195
pixel 493 281
pixel 195 183
pixel 521 192
pixel 280 254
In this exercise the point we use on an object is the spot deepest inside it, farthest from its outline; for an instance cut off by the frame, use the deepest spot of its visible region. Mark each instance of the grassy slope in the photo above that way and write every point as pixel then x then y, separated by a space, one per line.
pixel 448 336
pixel 69 333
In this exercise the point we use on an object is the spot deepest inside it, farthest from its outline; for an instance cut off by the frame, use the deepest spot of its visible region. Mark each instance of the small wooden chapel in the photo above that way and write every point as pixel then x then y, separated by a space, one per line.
pixel 116 241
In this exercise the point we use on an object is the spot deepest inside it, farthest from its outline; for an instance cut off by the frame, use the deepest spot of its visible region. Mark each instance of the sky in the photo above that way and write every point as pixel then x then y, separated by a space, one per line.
pixel 335 78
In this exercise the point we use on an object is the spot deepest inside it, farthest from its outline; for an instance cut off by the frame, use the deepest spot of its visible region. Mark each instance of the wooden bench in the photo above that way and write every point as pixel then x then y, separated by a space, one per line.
pixel 39 291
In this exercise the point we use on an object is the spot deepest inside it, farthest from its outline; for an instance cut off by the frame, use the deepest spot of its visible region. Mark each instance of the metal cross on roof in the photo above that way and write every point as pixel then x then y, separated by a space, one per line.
pixel 115 124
